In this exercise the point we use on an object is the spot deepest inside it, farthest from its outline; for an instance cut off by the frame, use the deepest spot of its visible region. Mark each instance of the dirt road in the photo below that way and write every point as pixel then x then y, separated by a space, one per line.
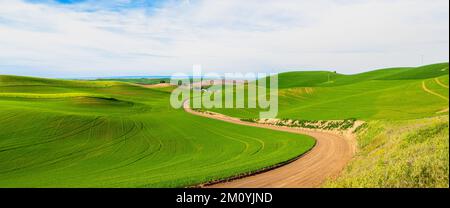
pixel 440 83
pixel 330 155
pixel 425 88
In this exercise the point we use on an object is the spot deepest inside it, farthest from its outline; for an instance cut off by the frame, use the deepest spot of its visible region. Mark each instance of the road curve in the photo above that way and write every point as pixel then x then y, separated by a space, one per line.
pixel 425 88
pixel 326 160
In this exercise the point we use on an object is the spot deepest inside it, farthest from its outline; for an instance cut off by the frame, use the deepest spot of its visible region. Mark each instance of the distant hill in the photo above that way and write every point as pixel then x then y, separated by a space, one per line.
pixel 394 93
pixel 326 78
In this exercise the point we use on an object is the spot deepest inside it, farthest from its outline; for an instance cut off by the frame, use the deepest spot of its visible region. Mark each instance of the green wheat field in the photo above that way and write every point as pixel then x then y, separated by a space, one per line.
pixel 61 133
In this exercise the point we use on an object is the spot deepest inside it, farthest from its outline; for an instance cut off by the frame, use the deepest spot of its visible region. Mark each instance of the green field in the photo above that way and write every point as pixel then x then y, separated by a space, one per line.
pixel 395 93
pixel 142 81
pixel 58 133
pixel 405 142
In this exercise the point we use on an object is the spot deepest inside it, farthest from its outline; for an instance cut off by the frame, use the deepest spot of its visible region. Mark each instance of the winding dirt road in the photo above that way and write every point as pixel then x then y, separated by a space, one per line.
pixel 425 88
pixel 327 159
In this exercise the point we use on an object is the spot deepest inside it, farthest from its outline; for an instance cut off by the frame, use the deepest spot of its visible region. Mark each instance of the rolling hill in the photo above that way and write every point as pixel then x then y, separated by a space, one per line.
pixel 404 142
pixel 59 133
pixel 395 93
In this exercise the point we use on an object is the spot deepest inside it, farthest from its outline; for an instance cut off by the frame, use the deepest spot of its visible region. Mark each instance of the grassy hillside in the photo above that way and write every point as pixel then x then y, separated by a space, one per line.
pixel 142 81
pixel 412 153
pixel 19 81
pixel 306 79
pixel 58 133
pixel 396 93
pixel 405 140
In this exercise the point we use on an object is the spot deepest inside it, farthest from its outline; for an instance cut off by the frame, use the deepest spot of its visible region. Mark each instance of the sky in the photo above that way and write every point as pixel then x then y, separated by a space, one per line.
pixel 102 38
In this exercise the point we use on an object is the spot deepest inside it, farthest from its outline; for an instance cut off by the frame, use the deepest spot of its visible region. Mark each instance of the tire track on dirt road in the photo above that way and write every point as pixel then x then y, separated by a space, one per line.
pixel 425 88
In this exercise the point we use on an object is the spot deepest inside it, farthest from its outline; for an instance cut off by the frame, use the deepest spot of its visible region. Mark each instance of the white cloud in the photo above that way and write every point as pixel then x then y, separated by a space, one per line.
pixel 223 35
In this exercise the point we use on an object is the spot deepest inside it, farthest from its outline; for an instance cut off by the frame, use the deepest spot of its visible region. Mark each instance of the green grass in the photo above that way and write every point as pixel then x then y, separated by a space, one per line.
pixel 394 93
pixel 306 79
pixel 143 81
pixel 405 141
pixel 59 133
pixel 19 81
pixel 410 153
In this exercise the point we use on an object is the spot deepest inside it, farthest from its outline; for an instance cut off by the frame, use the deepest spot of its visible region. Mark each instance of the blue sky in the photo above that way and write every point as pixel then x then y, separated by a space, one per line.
pixel 73 38
pixel 99 5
